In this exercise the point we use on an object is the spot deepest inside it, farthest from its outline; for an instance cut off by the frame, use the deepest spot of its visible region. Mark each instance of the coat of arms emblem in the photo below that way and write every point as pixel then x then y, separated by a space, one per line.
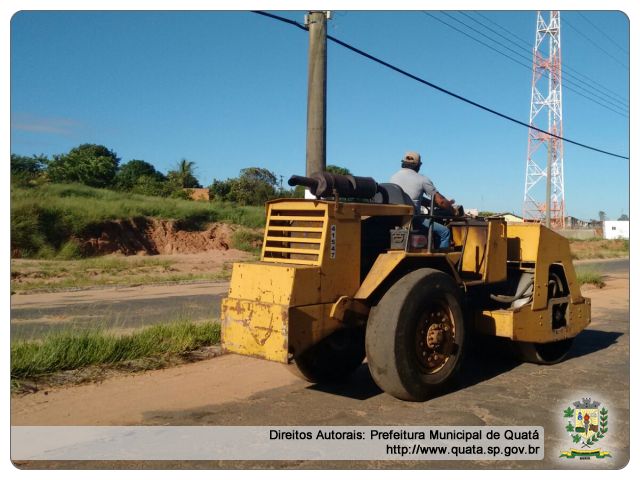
pixel 587 424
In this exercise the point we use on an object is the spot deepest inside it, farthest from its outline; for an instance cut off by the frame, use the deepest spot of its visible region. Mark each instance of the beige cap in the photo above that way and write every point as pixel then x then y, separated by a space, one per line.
pixel 412 158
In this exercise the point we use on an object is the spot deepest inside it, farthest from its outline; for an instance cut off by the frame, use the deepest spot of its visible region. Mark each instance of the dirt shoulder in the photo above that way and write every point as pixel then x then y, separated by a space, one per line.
pixel 183 257
pixel 125 399
pixel 38 276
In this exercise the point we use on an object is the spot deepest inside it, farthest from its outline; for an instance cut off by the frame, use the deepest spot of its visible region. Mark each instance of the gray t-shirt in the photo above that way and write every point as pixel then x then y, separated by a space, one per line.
pixel 413 183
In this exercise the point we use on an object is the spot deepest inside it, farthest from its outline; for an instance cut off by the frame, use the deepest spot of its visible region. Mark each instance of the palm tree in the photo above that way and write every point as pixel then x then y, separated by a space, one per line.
pixel 184 174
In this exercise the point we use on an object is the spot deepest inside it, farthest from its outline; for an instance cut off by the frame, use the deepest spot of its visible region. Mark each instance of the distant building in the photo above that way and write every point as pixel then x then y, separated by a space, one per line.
pixel 613 229
pixel 510 217
pixel 595 224
pixel 573 222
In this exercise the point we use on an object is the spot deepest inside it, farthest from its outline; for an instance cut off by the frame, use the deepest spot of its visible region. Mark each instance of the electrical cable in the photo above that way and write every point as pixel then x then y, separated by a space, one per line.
pixel 568 83
pixel 624 50
pixel 440 89
pixel 565 65
pixel 566 71
pixel 586 37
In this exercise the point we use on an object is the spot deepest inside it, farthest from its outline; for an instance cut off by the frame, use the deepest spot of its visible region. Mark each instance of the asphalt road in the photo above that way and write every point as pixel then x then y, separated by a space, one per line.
pixel 126 308
pixel 605 266
pixel 494 390
pixel 123 308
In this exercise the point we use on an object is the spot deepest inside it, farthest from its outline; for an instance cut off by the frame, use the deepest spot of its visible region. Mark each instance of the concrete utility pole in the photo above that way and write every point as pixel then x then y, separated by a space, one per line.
pixel 317 92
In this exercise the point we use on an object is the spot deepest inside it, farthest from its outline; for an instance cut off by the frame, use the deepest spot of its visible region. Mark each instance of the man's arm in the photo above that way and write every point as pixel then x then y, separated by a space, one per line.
pixel 429 188
pixel 440 201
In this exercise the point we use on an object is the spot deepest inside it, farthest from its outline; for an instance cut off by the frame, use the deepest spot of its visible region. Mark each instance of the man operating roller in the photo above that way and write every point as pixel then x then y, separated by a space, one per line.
pixel 418 186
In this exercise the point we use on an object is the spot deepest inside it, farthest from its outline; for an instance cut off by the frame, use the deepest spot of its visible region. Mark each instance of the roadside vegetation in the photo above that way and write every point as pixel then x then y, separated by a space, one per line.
pixel 248 240
pixel 57 199
pixel 69 350
pixel 595 248
pixel 46 219
pixel 590 277
pixel 50 275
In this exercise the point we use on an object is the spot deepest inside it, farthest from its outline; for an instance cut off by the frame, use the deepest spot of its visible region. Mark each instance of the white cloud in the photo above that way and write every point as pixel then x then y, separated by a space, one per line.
pixel 40 124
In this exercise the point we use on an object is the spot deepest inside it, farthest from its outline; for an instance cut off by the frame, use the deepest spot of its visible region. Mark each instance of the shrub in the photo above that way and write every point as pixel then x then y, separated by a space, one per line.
pixel 70 251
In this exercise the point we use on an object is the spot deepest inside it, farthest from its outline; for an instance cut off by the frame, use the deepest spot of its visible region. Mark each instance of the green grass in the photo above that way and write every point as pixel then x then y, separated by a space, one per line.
pixel 593 248
pixel 590 277
pixel 131 280
pixel 34 275
pixel 44 219
pixel 70 350
pixel 102 265
pixel 590 239
pixel 247 240
pixel 625 245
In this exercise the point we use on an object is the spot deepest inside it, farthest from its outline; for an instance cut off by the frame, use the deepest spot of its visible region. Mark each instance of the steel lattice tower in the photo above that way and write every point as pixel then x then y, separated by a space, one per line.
pixel 546 114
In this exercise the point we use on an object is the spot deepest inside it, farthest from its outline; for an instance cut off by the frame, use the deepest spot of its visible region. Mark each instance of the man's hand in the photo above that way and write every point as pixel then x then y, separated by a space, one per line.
pixel 443 203
pixel 458 211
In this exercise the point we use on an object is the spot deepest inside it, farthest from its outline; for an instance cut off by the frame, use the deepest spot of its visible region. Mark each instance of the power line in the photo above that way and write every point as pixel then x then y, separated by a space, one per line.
pixel 517 37
pixel 526 48
pixel 525 65
pixel 565 66
pixel 440 89
pixel 476 40
pixel 568 82
pixel 466 100
pixel 281 19
pixel 586 37
pixel 604 34
pixel 567 71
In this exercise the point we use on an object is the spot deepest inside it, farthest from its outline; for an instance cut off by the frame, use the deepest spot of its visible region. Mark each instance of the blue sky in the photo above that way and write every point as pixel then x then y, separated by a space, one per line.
pixel 228 91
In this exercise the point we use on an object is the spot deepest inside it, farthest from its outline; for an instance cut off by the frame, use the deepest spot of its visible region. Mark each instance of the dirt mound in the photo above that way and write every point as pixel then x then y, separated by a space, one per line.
pixel 152 237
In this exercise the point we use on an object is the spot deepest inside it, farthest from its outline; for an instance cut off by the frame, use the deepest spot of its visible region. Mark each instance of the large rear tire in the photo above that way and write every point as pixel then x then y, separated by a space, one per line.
pixel 416 336
pixel 332 359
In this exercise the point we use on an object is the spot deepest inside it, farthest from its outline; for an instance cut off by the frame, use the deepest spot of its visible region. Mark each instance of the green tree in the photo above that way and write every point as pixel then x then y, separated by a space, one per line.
pixel 183 175
pixel 298 192
pixel 260 175
pixel 220 189
pixel 131 172
pixel 602 216
pixel 93 165
pixel 254 186
pixel 623 217
pixel 338 170
pixel 24 170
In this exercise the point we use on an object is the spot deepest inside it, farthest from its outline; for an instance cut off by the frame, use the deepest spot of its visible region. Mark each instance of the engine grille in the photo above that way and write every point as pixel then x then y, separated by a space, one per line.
pixel 294 235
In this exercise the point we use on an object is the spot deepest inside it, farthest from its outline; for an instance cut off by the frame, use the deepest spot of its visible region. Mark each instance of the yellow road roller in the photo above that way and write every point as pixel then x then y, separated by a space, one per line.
pixel 352 274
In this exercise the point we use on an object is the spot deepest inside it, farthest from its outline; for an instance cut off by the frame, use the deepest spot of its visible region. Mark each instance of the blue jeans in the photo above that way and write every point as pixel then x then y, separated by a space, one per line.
pixel 442 234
